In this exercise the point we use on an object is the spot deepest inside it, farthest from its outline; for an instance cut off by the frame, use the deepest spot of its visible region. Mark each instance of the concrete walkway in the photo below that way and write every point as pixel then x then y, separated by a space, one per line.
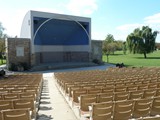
pixel 53 105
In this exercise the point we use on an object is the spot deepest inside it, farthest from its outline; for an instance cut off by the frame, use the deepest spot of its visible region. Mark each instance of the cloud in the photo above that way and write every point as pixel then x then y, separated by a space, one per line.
pixel 128 27
pixel 98 35
pixel 12 20
pixel 49 10
pixel 82 7
pixel 152 21
pixel 120 36
pixel 123 30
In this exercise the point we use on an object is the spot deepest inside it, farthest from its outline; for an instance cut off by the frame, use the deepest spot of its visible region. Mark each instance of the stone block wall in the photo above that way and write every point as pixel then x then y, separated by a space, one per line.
pixel 18 51
pixel 96 50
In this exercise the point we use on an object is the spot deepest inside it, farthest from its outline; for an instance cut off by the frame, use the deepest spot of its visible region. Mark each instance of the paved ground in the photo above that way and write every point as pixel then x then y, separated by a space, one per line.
pixel 101 67
pixel 53 105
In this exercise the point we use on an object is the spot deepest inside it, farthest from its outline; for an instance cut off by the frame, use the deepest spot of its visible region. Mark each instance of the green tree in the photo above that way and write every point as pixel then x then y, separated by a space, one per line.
pixel 2 42
pixel 108 46
pixel 109 38
pixel 119 45
pixel 124 48
pixel 142 41
pixel 1 30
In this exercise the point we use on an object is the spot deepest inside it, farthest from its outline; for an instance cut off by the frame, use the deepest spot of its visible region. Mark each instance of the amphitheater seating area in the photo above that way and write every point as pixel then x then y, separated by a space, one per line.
pixel 20 96
pixel 113 94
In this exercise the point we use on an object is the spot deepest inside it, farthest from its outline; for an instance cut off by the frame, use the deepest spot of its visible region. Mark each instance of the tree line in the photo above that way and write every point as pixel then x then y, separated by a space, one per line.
pixel 141 40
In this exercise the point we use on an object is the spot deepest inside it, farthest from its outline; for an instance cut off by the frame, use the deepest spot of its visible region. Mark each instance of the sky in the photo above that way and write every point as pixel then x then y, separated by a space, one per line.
pixel 116 17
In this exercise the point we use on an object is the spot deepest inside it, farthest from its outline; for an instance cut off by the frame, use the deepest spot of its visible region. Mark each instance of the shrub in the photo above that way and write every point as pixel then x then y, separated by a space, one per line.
pixel 96 61
pixel 12 67
pixel 21 66
pixel 24 65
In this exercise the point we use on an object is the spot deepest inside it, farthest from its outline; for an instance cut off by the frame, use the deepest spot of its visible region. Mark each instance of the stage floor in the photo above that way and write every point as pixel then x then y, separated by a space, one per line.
pixel 64 65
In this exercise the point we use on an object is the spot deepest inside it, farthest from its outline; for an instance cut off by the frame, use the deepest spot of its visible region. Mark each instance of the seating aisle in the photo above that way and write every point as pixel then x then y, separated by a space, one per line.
pixel 52 104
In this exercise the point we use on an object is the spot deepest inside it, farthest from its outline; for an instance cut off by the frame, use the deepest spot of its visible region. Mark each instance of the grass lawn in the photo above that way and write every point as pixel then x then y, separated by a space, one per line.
pixel 4 62
pixel 134 60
